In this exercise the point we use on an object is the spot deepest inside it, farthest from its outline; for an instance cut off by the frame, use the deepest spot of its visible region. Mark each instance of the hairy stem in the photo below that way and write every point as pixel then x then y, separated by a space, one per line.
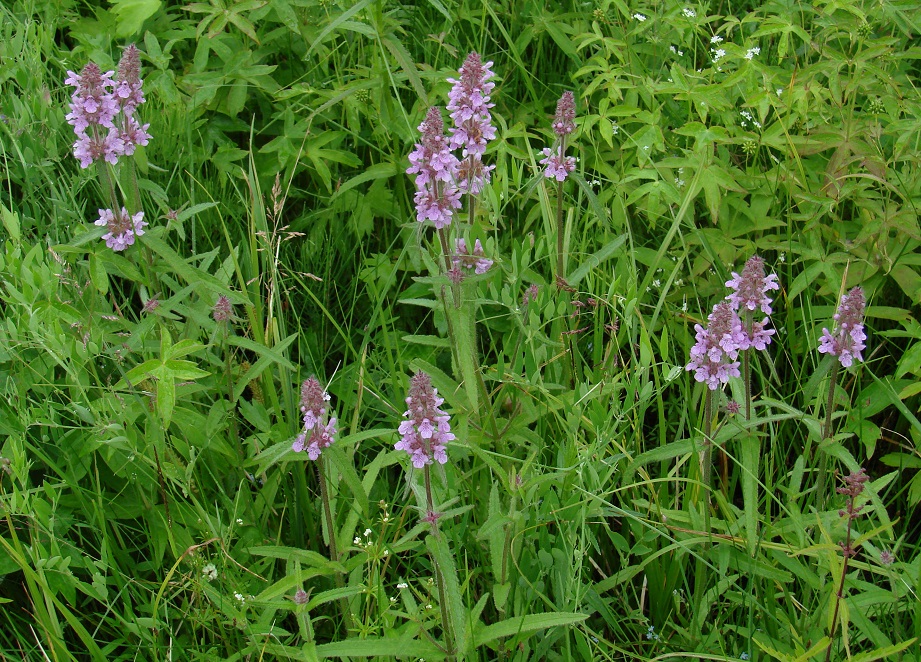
pixel 439 579
pixel 333 550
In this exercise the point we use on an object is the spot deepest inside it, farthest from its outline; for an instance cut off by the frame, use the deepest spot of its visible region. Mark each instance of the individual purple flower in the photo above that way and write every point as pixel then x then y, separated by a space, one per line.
pixel 847 341
pixel 123 227
pixel 475 260
pixel 564 119
pixel 750 290
pixel 317 433
pixel 713 357
pixel 92 103
pixel 425 430
pixel 435 168
pixel 556 165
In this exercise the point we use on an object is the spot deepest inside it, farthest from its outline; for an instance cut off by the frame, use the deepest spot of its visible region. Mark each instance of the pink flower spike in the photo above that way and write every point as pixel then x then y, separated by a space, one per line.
pixel 425 430
pixel 317 432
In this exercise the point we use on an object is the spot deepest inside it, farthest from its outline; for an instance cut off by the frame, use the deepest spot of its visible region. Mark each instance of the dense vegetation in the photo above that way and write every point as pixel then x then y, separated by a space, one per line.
pixel 169 492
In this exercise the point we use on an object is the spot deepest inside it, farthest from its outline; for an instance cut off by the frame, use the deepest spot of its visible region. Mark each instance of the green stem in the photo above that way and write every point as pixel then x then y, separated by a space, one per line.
pixel 439 579
pixel 747 376
pixel 827 433
pixel 559 230
pixel 840 594
pixel 333 550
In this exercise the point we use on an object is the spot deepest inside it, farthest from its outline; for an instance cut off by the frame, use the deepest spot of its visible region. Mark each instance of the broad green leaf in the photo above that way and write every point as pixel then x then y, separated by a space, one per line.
pixel 377 648
pixel 131 14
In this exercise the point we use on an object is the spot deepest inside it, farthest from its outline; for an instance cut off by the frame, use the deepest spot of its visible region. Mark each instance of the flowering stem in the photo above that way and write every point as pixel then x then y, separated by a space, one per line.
pixel 333 550
pixel 108 186
pixel 439 581
pixel 827 434
pixel 747 378
pixel 840 594
pixel 559 229
pixel 706 460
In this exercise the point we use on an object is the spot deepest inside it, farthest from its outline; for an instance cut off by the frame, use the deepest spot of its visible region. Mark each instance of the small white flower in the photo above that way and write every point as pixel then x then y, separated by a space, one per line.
pixel 357 541
pixel 779 91
pixel 209 572
pixel 393 600
pixel 639 17
pixel 716 39
pixel 367 533
pixel 752 52
pixel 673 49
pixel 657 283
pixel 239 522
pixel 386 552
pixel 614 128
pixel 782 258
pixel 688 12
pixel 718 53
pixel 402 585
pixel 239 597
pixel 428 606
pixel 679 182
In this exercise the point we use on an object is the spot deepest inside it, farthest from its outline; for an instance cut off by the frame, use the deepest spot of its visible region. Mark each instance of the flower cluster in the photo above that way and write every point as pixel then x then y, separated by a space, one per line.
pixel 102 110
pixel 425 431
pixel 749 294
pixel 122 226
pixel 847 342
pixel 441 178
pixel 318 433
pixel 469 104
pixel 713 357
pixel 435 167
pixel 468 260
pixel 556 164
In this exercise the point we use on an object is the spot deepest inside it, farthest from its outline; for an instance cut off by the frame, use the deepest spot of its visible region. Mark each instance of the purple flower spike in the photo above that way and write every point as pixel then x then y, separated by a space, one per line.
pixel 317 433
pixel 435 168
pixel 92 104
pixel 847 342
pixel 713 357
pixel 128 90
pixel 425 430
pixel 469 104
pixel 750 290
pixel 123 227
pixel 564 120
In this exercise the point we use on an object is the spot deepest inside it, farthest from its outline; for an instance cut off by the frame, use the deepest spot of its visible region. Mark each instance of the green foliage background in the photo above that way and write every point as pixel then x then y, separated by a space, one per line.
pixel 147 444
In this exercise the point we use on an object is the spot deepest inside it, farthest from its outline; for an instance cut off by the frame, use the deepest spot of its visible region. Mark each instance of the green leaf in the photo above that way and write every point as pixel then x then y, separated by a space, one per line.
pixel 349 476
pixel 431 341
pixel 444 562
pixel 749 468
pixel 596 259
pixel 526 624
pixel 98 275
pixel 131 14
pixel 885 653
pixel 11 223
pixel 660 454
